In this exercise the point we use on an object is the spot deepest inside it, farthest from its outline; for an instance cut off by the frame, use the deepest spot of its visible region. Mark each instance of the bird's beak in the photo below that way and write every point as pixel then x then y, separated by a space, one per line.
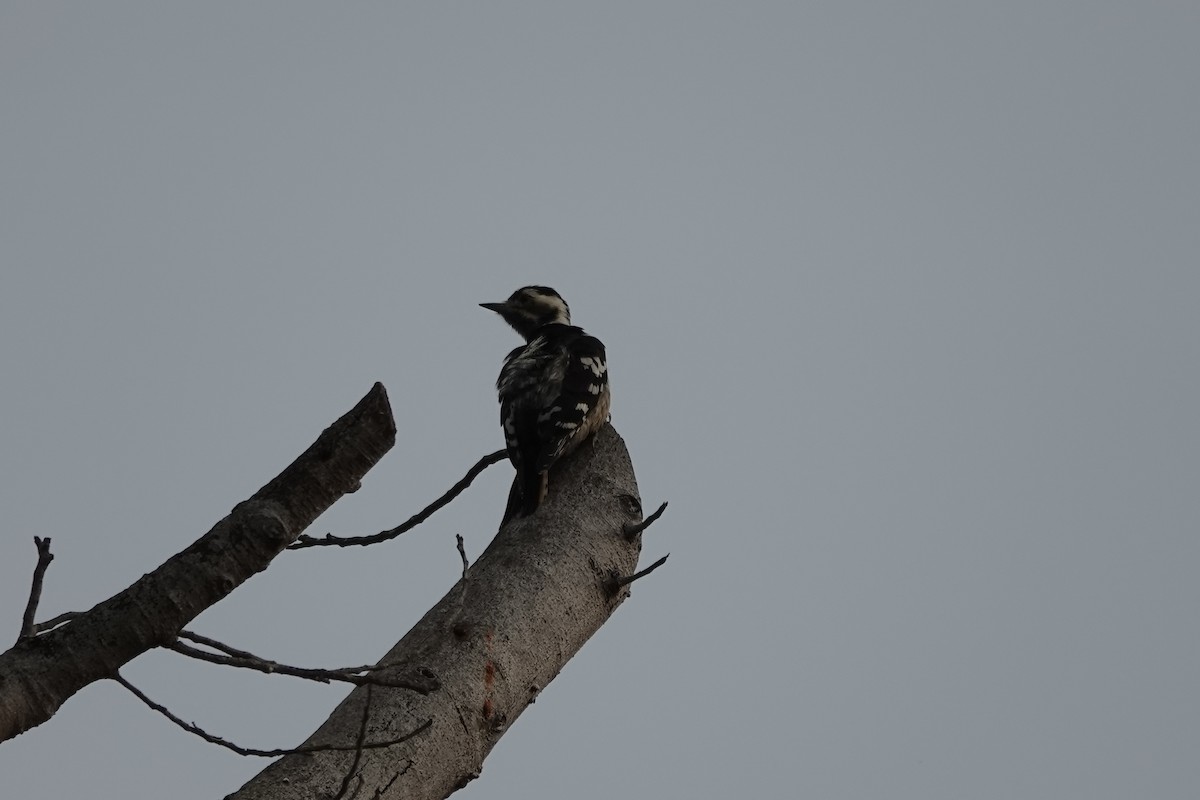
pixel 499 308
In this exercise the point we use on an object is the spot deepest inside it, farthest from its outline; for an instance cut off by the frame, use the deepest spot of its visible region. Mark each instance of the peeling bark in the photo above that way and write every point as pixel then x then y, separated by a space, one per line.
pixel 40 673
pixel 540 590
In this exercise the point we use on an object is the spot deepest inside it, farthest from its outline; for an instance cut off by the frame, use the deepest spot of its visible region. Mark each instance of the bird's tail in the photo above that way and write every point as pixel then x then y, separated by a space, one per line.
pixel 527 493
pixel 533 493
pixel 514 501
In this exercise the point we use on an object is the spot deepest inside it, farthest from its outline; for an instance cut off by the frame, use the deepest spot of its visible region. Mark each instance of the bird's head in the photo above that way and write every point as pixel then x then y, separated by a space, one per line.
pixel 531 307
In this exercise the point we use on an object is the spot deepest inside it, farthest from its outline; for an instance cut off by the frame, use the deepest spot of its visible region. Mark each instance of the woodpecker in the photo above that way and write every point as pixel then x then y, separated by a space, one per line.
pixel 553 389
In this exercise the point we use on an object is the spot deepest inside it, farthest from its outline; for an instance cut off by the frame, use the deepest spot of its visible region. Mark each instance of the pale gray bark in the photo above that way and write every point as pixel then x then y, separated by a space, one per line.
pixel 41 672
pixel 530 601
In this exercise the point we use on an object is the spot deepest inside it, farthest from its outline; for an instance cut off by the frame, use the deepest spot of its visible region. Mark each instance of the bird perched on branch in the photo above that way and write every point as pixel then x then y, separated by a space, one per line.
pixel 553 389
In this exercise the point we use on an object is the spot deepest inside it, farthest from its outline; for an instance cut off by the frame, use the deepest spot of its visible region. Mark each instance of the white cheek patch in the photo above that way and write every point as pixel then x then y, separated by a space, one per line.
pixel 549 305
pixel 560 310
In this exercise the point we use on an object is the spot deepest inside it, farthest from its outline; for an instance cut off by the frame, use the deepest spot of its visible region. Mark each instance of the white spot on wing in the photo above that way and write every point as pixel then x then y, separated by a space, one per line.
pixel 596 365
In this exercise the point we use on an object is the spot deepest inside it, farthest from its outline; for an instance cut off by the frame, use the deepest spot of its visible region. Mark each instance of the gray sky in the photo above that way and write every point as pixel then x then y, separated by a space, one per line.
pixel 900 302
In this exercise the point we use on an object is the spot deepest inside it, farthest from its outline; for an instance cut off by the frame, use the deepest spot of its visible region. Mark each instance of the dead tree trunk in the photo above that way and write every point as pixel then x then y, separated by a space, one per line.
pixel 421 726
pixel 499 636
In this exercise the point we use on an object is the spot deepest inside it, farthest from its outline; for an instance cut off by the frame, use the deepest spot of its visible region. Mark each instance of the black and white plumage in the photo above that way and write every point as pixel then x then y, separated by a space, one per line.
pixel 553 389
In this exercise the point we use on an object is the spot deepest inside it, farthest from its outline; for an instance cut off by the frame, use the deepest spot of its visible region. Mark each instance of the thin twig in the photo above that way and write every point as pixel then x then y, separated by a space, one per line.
pixel 462 552
pixel 358 748
pixel 616 584
pixel 461 588
pixel 354 675
pixel 272 666
pixel 35 591
pixel 224 648
pixel 454 491
pixel 632 531
pixel 250 751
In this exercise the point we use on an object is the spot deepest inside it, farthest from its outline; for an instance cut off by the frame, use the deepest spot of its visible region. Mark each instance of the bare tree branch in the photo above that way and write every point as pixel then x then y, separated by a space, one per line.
pixel 419 683
pixel 413 521
pixel 192 728
pixel 41 672
pixel 35 591
pixel 272 665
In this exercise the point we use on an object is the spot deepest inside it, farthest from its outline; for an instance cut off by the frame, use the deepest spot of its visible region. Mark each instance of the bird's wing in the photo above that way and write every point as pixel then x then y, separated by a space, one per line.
pixel 583 398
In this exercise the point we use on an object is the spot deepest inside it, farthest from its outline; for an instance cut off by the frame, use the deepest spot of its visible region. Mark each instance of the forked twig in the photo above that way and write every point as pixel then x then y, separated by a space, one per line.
pixel 28 628
pixel 360 676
